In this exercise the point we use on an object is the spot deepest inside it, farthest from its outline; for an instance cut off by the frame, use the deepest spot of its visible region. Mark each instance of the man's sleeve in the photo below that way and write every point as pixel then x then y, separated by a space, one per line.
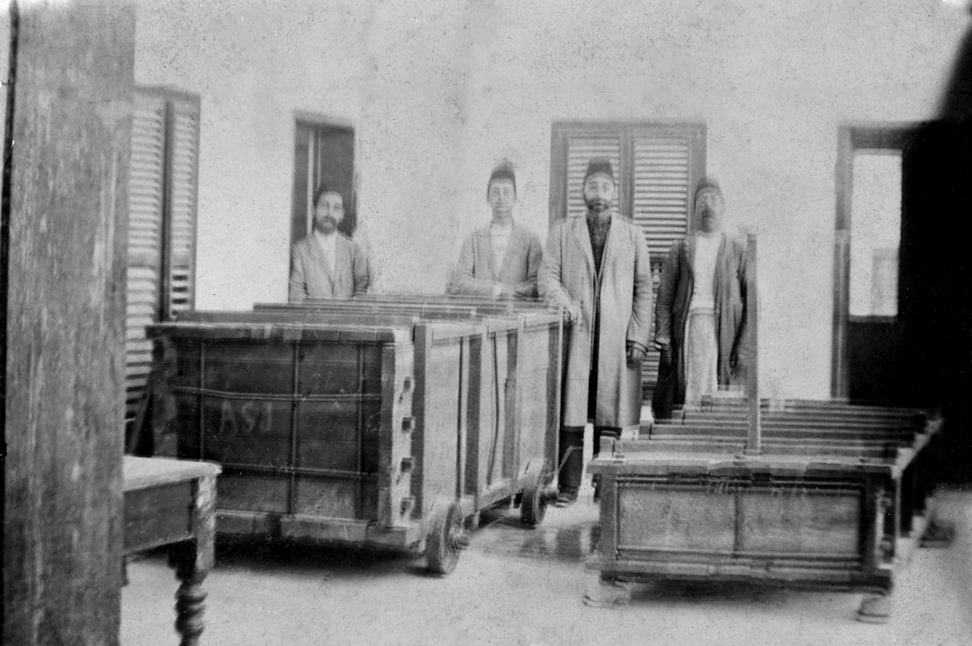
pixel 666 297
pixel 639 327
pixel 361 269
pixel 298 286
pixel 465 282
pixel 550 275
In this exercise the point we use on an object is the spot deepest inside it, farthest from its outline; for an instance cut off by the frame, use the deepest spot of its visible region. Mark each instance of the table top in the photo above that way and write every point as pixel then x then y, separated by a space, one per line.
pixel 142 473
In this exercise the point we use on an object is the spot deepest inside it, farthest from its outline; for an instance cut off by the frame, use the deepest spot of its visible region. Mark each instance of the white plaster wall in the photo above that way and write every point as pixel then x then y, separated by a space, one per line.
pixel 438 91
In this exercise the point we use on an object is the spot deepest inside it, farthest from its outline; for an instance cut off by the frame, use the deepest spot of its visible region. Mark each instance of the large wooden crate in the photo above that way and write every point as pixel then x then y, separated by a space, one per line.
pixel 837 495
pixel 359 424
pixel 512 375
pixel 310 416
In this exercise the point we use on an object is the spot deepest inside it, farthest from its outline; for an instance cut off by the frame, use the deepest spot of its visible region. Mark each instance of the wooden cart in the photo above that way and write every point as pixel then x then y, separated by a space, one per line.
pixel 835 494
pixel 799 492
pixel 515 373
pixel 359 427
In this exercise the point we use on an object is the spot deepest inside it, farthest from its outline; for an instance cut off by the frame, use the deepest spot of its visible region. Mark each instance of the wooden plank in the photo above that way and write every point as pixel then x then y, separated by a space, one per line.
pixel 754 438
pixel 660 517
pixel 395 456
pixel 157 515
pixel 65 210
pixel 139 473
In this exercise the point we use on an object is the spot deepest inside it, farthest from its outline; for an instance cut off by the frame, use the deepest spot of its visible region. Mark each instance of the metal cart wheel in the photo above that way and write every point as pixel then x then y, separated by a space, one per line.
pixel 446 539
pixel 533 505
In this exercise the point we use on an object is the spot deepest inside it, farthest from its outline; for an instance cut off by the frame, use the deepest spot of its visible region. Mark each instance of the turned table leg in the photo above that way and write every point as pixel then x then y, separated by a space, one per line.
pixel 192 560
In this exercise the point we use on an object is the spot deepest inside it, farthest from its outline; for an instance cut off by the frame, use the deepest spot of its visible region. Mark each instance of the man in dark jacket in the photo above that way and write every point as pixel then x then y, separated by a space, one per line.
pixel 700 316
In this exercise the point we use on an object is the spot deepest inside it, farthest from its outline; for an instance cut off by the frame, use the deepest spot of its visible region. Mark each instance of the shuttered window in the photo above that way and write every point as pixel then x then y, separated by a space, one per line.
pixel 323 154
pixel 163 178
pixel 579 151
pixel 656 167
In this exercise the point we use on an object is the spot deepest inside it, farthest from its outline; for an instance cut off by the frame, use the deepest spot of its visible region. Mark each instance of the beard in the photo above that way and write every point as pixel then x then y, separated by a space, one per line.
pixel 709 220
pixel 597 205
pixel 325 224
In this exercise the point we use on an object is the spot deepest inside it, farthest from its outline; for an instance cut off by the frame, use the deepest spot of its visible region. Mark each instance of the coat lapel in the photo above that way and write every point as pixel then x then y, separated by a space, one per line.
pixel 690 255
pixel 485 243
pixel 583 239
pixel 610 243
pixel 342 258
pixel 512 250
pixel 320 261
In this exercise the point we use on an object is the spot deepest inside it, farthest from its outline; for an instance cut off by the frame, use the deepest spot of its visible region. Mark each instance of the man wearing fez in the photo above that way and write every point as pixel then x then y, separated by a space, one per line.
pixel 500 260
pixel 700 317
pixel 596 268
pixel 327 263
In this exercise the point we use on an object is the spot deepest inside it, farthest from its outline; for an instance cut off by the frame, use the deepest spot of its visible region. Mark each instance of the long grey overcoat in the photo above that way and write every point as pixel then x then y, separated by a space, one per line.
pixel 567 276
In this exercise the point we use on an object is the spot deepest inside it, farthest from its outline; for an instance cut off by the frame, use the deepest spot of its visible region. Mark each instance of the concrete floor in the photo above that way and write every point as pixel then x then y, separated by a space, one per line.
pixel 525 587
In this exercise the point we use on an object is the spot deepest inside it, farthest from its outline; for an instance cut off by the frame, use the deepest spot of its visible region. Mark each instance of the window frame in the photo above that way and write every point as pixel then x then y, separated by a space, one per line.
pixel 320 123
pixel 852 137
pixel 174 104
pixel 628 131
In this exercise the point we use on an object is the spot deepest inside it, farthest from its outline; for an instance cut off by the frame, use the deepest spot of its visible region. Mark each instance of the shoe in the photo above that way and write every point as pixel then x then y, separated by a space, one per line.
pixel 566 498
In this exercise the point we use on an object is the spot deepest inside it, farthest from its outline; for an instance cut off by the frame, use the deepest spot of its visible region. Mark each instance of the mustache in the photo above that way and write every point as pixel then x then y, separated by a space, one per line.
pixel 598 204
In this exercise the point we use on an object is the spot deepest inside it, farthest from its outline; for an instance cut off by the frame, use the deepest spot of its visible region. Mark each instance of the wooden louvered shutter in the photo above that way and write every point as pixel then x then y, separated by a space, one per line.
pixel 181 182
pixel 667 163
pixel 656 168
pixel 146 192
pixel 162 224
pixel 580 150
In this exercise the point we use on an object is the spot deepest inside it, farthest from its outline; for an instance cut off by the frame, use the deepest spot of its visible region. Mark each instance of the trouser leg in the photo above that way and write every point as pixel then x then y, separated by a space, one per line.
pixel 602 432
pixel 571 458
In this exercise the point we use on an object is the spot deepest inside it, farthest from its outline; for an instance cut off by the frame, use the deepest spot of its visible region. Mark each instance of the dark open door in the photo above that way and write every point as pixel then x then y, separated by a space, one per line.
pixel 921 354
pixel 869 324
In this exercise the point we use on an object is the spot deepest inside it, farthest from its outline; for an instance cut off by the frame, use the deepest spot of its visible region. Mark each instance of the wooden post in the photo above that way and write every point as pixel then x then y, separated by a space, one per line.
pixel 65 207
pixel 754 440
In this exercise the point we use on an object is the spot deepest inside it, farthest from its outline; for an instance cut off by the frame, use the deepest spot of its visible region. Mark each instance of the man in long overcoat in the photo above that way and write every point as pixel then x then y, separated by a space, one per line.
pixel 700 317
pixel 596 268
pixel 327 263
pixel 500 260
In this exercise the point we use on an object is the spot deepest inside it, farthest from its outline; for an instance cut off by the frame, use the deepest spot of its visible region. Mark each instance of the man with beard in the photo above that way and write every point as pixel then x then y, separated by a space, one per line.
pixel 327 263
pixel 700 318
pixel 502 259
pixel 596 268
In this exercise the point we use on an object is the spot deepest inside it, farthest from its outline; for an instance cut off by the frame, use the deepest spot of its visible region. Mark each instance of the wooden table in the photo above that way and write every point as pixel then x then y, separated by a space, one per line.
pixel 173 502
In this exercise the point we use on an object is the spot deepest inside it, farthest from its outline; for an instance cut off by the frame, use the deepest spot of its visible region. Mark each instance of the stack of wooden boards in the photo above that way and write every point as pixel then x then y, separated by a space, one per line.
pixel 385 421
pixel 836 494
